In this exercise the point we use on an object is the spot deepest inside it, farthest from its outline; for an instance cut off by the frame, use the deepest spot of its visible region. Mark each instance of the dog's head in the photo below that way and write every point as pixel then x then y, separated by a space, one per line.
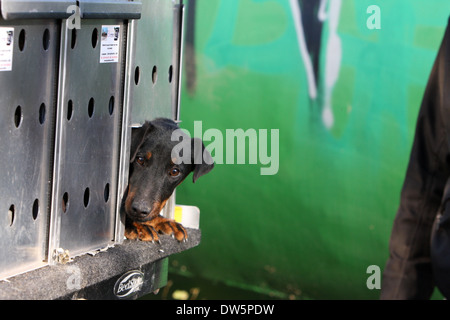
pixel 154 173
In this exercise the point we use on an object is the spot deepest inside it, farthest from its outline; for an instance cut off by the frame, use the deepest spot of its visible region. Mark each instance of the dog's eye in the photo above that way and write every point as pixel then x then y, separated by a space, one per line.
pixel 140 160
pixel 174 172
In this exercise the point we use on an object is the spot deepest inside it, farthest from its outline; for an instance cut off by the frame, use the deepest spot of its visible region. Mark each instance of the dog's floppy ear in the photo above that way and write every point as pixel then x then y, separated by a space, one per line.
pixel 138 137
pixel 202 160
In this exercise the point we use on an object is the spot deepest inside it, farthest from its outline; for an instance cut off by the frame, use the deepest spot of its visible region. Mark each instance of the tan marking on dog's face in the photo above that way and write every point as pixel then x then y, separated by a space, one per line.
pixel 158 207
pixel 148 155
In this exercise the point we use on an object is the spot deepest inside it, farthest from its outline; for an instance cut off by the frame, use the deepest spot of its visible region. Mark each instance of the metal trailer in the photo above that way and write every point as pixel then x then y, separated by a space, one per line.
pixel 75 77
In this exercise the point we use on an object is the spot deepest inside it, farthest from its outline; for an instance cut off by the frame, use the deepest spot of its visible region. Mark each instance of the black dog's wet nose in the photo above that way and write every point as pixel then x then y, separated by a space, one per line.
pixel 141 207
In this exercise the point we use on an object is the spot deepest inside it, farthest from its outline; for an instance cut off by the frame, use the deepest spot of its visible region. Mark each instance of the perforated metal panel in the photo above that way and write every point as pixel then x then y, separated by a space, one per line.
pixel 88 136
pixel 27 111
pixel 157 38
pixel 69 98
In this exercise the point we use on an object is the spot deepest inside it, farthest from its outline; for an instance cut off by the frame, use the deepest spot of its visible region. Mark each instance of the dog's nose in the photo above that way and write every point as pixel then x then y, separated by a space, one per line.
pixel 141 207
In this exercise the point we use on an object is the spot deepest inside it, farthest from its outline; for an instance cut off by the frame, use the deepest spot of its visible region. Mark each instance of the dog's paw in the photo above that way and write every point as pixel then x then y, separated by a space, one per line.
pixel 169 226
pixel 148 231
pixel 142 232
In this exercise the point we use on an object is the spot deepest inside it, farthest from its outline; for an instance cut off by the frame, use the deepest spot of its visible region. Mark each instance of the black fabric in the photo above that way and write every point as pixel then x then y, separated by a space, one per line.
pixel 409 271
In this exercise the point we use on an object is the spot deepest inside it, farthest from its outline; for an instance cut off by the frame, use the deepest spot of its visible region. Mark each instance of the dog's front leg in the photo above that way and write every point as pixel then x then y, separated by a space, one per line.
pixel 148 230
pixel 168 226
pixel 141 231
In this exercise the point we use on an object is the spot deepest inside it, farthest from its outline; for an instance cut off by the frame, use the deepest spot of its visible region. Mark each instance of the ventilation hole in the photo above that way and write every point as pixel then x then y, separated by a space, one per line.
pixel 18 116
pixel 137 75
pixel 22 40
pixel 73 41
pixel 11 214
pixel 46 39
pixel 35 209
pixel 69 110
pixel 154 74
pixel 65 202
pixel 94 38
pixel 42 113
pixel 170 74
pixel 111 105
pixel 86 197
pixel 91 107
pixel 106 192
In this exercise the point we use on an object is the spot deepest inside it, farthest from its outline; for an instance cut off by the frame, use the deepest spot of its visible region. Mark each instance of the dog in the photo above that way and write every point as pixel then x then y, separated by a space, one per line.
pixel 154 175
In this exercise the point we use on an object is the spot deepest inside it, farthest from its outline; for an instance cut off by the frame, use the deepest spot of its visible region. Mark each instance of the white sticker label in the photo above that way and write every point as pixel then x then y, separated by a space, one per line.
pixel 6 48
pixel 110 40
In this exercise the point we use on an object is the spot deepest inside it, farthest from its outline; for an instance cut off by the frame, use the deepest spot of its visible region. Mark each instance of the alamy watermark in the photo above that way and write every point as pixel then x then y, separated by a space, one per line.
pixel 224 149
pixel 374 280
pixel 74 280
pixel 74 20
pixel 374 20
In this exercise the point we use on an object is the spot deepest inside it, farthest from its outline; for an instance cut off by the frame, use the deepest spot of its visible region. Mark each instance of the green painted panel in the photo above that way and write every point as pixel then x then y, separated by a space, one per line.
pixel 311 230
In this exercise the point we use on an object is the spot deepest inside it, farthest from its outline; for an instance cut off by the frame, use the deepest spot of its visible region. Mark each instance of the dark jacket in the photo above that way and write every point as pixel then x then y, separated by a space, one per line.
pixel 420 245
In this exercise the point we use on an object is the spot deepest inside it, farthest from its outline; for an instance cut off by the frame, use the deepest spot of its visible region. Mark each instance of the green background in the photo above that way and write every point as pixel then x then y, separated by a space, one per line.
pixel 312 230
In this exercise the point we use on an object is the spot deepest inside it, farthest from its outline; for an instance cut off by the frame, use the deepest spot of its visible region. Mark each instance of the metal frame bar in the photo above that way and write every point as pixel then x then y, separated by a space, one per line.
pixel 58 9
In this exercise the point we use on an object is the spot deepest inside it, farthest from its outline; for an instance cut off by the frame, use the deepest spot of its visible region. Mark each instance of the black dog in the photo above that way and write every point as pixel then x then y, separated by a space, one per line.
pixel 154 175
